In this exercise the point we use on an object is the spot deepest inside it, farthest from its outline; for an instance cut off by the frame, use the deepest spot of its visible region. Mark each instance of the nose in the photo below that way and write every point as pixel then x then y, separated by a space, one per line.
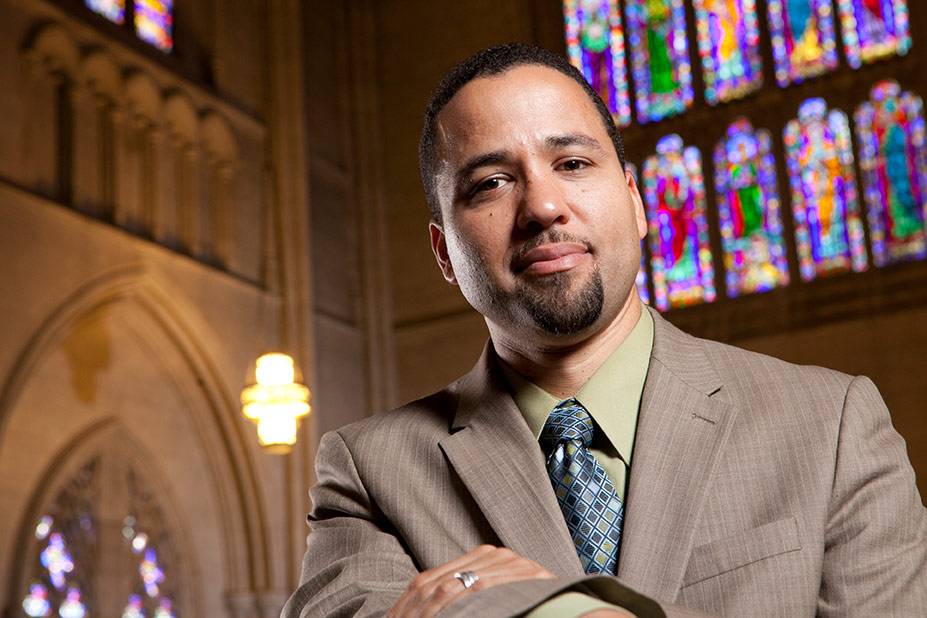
pixel 542 205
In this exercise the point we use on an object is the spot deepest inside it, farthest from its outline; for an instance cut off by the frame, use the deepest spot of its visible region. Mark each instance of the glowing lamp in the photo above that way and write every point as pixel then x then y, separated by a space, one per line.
pixel 276 401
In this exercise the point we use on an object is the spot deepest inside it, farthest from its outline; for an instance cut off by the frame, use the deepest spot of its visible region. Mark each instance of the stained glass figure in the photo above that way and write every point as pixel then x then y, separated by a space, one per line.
pixel 874 29
pixel 803 39
pixel 164 609
pixel 749 211
pixel 154 23
pixel 150 572
pixel 72 606
pixel 57 559
pixel 595 45
pixel 674 191
pixel 893 160
pixel 828 230
pixel 134 608
pixel 36 602
pixel 659 58
pixel 729 46
pixel 113 10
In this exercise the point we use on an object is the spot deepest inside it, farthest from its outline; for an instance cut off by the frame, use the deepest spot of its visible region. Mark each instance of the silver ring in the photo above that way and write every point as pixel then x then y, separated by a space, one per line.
pixel 467 578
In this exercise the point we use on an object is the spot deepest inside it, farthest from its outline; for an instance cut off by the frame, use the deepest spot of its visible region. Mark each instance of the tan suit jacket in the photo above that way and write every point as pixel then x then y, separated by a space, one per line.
pixel 758 488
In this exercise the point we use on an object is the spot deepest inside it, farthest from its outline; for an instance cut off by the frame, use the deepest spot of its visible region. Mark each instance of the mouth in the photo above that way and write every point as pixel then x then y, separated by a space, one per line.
pixel 551 258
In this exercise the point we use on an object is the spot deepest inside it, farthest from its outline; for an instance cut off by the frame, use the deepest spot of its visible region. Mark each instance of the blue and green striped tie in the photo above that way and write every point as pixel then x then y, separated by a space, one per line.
pixel 590 505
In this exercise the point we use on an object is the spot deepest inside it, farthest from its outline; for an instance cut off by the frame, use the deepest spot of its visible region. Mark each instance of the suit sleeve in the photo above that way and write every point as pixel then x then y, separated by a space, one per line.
pixel 354 565
pixel 875 560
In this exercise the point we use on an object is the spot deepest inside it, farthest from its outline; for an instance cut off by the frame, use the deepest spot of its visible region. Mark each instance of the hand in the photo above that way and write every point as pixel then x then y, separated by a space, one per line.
pixel 433 590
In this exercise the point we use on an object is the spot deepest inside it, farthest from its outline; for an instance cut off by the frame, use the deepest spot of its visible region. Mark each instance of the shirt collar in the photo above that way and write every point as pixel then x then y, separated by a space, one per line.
pixel 612 394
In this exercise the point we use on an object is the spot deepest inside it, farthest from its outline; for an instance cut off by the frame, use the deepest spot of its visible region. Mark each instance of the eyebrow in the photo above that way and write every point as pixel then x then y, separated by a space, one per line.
pixel 573 139
pixel 487 158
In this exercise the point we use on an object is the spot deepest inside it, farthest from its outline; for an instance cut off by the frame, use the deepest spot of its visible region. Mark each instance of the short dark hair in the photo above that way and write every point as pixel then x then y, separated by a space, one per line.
pixel 495 61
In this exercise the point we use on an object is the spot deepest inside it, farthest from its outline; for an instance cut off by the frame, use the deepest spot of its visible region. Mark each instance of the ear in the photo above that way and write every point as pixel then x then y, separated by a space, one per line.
pixel 439 248
pixel 639 214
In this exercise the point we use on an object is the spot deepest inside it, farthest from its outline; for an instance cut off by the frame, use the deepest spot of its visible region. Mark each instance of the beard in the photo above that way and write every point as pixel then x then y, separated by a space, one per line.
pixel 558 310
pixel 559 304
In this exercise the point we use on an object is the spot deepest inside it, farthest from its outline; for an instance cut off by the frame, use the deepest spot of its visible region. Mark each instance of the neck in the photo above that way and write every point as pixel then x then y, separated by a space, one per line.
pixel 561 368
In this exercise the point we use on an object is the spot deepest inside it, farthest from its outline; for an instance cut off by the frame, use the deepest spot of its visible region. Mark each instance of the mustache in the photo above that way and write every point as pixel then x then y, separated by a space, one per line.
pixel 546 238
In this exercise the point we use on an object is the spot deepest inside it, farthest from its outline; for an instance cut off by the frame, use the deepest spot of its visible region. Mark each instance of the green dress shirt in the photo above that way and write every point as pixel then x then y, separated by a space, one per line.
pixel 612 395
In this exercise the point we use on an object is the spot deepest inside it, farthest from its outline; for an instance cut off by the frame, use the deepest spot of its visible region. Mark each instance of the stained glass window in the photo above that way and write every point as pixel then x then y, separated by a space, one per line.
pixel 69 547
pixel 641 280
pixel 893 160
pixel 828 230
pixel 113 10
pixel 749 211
pixel 729 46
pixel 674 192
pixel 595 45
pixel 873 29
pixel 154 22
pixel 659 58
pixel 803 39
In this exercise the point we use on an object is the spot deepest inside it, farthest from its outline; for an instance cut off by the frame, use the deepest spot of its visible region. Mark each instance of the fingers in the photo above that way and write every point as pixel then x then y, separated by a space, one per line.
pixel 426 583
pixel 433 590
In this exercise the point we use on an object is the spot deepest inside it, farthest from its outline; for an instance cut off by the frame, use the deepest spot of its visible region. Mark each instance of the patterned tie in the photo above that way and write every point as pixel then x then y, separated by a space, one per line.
pixel 590 505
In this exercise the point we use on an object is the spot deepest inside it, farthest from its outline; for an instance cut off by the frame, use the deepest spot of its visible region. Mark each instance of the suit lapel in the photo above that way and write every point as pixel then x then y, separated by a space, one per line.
pixel 494 453
pixel 684 422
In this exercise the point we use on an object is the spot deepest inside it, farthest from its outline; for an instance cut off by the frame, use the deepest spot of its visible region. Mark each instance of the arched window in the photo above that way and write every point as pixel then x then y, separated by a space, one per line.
pixel 595 44
pixel 659 57
pixel 729 47
pixel 674 191
pixel 828 230
pixel 152 20
pixel 804 42
pixel 101 547
pixel 873 29
pixel 749 211
pixel 893 160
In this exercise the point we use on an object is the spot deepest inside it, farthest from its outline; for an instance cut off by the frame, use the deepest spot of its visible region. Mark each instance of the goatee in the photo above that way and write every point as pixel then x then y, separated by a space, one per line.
pixel 559 311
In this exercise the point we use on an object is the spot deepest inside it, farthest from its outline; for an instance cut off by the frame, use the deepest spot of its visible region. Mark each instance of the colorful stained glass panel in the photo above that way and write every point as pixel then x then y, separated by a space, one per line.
pixel 674 191
pixel 873 29
pixel 828 229
pixel 659 58
pixel 893 160
pixel 729 47
pixel 803 39
pixel 113 10
pixel 154 22
pixel 595 45
pixel 749 211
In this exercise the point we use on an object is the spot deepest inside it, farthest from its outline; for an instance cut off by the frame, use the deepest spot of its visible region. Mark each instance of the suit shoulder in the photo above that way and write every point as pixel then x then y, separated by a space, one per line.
pixel 755 374
pixel 429 416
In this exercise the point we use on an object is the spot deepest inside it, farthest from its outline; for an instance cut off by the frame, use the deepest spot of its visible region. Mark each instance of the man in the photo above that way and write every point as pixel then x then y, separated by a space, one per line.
pixel 597 461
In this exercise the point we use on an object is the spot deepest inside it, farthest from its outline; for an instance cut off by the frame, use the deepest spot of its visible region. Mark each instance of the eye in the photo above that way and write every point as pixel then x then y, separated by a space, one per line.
pixel 490 184
pixel 573 165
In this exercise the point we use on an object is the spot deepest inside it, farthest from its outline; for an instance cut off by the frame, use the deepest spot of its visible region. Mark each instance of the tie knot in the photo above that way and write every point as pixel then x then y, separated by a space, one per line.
pixel 568 421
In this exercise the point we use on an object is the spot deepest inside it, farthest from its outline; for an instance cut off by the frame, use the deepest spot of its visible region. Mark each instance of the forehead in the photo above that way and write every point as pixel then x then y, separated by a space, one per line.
pixel 522 105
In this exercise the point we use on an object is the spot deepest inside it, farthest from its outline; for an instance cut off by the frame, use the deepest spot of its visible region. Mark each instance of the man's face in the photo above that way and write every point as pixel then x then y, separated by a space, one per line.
pixel 540 226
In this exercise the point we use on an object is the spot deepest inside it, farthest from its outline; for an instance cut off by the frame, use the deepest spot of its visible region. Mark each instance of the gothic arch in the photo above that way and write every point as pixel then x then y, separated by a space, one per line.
pixel 181 117
pixel 99 72
pixel 164 321
pixel 94 441
pixel 52 47
pixel 218 138
pixel 143 96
